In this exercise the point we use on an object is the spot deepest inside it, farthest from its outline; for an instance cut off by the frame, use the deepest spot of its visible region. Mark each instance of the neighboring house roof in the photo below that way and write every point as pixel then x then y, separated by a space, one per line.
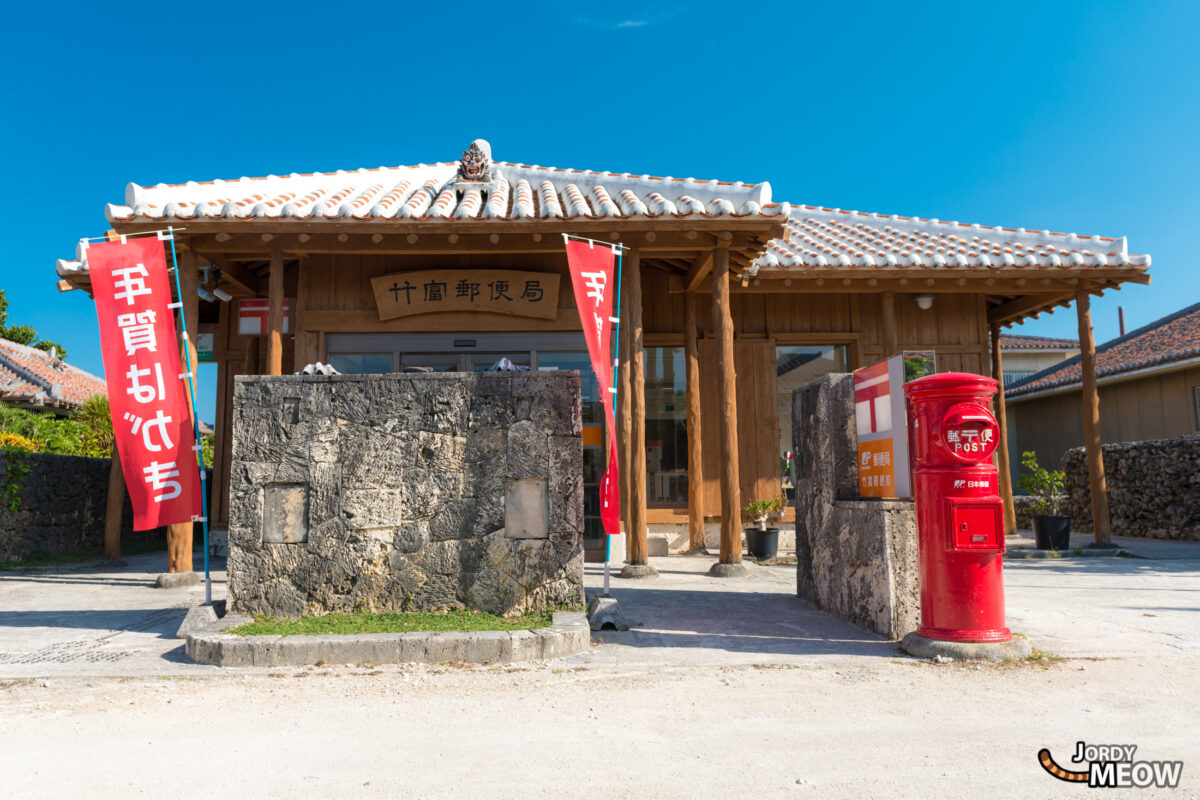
pixel 830 238
pixel 30 377
pixel 1016 341
pixel 445 191
pixel 1161 343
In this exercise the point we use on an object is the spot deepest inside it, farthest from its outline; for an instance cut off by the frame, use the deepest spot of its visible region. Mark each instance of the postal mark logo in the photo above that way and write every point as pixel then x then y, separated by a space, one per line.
pixel 1111 766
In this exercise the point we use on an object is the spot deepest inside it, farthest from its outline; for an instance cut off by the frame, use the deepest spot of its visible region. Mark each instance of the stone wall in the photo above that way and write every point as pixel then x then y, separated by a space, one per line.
pixel 59 507
pixel 406 492
pixel 1153 488
pixel 855 558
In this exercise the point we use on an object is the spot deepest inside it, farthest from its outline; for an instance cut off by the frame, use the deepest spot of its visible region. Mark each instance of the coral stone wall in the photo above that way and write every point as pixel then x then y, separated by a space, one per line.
pixel 854 558
pixel 55 504
pixel 406 492
pixel 1153 488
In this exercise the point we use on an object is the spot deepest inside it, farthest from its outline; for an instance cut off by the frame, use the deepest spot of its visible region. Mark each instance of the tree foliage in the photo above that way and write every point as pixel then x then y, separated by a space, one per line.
pixel 24 334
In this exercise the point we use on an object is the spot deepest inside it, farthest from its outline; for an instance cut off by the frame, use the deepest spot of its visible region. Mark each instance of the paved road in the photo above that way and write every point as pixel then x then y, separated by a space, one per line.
pixel 724 688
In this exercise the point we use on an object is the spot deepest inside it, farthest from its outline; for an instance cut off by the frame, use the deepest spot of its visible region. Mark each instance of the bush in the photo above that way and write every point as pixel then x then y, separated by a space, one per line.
pixel 87 432
pixel 15 441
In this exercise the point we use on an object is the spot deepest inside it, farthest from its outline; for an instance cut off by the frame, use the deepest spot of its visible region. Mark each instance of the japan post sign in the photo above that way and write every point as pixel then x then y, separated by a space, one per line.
pixel 146 394
pixel 881 423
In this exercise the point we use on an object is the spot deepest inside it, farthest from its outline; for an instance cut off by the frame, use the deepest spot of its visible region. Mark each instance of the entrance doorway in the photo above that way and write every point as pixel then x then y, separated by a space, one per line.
pixel 476 352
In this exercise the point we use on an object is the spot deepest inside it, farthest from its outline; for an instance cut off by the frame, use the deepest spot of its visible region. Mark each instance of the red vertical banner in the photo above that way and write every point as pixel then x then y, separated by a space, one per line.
pixel 146 393
pixel 593 276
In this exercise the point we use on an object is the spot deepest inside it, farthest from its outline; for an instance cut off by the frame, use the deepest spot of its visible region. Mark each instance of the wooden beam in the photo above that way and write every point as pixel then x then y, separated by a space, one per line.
pixel 695 456
pixel 1024 306
pixel 1101 526
pixel 1003 467
pixel 275 315
pixel 891 330
pixel 698 272
pixel 367 321
pixel 731 506
pixel 638 547
pixel 236 274
pixel 112 509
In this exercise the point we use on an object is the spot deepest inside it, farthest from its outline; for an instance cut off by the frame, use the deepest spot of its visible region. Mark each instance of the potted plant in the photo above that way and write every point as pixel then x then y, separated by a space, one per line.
pixel 1051 528
pixel 763 542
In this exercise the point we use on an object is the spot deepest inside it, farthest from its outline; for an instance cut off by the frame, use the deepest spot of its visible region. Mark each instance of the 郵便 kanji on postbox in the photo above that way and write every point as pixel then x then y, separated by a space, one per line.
pixel 960 522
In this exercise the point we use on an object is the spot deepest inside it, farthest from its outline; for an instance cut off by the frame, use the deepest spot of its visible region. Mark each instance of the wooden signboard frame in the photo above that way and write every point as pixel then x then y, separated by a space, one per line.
pixel 493 291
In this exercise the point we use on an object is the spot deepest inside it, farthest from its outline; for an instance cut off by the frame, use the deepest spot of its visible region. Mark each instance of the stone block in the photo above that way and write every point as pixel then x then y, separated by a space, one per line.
pixel 285 513
pixel 526 508
pixel 526 645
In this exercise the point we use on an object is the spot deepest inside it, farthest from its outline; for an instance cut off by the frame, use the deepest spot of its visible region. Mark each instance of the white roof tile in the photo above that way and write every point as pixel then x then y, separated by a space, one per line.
pixel 438 191
pixel 826 238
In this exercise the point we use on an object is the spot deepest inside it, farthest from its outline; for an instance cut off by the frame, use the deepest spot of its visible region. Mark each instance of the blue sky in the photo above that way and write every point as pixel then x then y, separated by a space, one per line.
pixel 1070 116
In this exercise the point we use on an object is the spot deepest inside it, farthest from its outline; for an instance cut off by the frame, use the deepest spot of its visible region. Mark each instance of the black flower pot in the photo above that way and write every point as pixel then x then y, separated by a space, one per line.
pixel 763 545
pixel 1052 532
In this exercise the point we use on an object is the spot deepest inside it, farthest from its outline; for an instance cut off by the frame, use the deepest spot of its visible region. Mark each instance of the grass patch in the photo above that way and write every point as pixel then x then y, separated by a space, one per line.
pixel 391 622
pixel 81 555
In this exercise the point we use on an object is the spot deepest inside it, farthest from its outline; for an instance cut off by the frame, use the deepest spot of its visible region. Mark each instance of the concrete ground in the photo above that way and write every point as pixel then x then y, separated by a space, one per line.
pixel 723 688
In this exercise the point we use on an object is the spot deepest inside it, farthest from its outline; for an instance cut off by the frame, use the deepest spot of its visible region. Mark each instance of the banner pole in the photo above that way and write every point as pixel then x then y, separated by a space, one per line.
pixel 199 448
pixel 616 387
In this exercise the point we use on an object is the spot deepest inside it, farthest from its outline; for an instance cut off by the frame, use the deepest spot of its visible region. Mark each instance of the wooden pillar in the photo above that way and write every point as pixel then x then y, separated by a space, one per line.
pixel 112 511
pixel 731 503
pixel 695 459
pixel 636 535
pixel 179 535
pixel 275 315
pixel 624 410
pixel 1091 422
pixel 891 330
pixel 1006 496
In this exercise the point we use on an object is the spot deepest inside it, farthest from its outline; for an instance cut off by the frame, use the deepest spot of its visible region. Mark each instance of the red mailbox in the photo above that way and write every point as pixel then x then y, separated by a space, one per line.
pixel 960 524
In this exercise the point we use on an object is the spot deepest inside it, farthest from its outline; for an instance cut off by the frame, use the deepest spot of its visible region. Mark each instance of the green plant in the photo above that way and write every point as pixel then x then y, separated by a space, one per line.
pixel 1045 485
pixel 16 467
pixel 95 432
pixel 761 510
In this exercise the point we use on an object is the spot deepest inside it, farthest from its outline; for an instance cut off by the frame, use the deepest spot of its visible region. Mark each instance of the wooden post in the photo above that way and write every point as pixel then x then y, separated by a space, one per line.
pixel 112 511
pixel 1006 495
pixel 638 566
pixel 624 420
pixel 275 315
pixel 731 504
pixel 694 453
pixel 179 535
pixel 891 331
pixel 1091 423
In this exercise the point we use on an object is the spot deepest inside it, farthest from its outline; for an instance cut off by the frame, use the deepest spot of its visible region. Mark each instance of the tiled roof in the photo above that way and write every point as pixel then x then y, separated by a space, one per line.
pixel 1015 341
pixel 442 191
pixel 830 238
pixel 28 377
pixel 1172 338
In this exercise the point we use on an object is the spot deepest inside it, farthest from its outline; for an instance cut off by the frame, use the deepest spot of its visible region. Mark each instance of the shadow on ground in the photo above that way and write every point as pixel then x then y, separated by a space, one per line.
pixel 684 608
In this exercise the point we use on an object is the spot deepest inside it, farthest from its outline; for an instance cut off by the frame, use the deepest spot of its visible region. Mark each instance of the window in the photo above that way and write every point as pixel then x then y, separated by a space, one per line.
pixel 796 365
pixel 1196 401
pixel 666 426
pixel 361 363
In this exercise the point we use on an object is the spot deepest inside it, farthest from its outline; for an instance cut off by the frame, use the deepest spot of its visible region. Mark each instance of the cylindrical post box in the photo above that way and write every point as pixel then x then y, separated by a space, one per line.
pixel 960 521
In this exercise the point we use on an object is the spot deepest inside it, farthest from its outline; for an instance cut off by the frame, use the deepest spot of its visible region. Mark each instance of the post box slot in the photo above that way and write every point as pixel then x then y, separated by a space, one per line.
pixel 975 525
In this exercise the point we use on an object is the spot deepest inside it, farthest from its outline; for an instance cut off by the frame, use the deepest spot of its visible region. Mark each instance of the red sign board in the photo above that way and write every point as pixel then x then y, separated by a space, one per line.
pixel 593 276
pixel 146 393
pixel 253 313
